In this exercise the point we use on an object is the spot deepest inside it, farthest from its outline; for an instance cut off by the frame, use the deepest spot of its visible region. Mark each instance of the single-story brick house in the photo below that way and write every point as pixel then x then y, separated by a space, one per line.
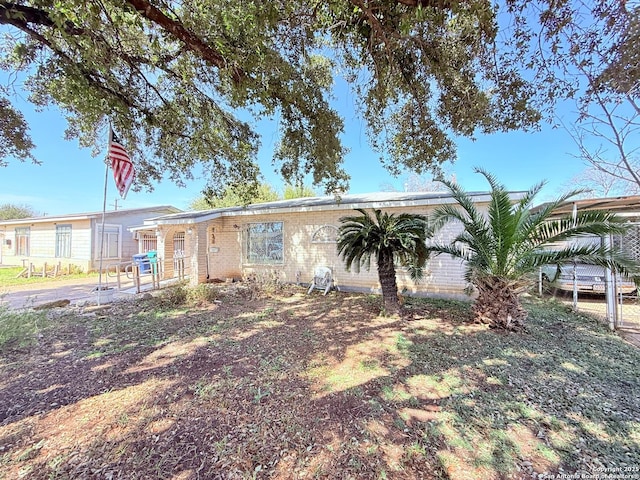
pixel 291 238
pixel 74 239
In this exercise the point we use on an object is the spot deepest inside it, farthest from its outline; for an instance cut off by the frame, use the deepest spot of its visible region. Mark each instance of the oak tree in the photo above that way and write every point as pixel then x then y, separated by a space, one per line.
pixel 183 82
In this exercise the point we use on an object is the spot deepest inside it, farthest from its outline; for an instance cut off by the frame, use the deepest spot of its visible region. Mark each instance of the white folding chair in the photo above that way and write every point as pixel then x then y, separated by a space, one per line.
pixel 322 280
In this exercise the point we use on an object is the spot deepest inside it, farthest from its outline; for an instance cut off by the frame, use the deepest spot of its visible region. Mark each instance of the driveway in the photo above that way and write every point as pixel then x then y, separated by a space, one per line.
pixel 629 311
pixel 594 305
pixel 74 290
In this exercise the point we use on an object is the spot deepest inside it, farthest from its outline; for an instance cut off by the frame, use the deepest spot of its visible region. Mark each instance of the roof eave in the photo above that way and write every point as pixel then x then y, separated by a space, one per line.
pixel 84 216
pixel 199 217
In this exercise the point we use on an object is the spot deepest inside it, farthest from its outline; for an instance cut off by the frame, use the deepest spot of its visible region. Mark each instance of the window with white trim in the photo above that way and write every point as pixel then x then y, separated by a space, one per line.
pixel 264 243
pixel 110 243
pixel 22 240
pixel 63 241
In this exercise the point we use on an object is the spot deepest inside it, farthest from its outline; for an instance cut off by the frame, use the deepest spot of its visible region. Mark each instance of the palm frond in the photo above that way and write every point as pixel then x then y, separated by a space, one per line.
pixel 587 223
pixel 591 254
pixel 526 202
pixel 455 250
pixel 465 201
pixel 381 234
pixel 512 241
pixel 474 223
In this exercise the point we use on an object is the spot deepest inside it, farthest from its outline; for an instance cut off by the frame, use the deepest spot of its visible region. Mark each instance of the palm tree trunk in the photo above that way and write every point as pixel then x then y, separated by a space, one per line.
pixel 498 304
pixel 387 278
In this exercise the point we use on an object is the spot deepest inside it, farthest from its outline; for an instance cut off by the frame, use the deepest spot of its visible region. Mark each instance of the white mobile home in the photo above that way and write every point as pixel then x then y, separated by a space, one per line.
pixel 74 239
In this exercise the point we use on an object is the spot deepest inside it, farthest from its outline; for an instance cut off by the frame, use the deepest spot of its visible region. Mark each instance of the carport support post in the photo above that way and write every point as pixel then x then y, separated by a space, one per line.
pixel 574 216
pixel 610 292
pixel 575 286
pixel 539 281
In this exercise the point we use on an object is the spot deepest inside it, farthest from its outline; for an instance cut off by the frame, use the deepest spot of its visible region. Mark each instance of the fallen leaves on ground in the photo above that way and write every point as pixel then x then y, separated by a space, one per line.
pixel 306 386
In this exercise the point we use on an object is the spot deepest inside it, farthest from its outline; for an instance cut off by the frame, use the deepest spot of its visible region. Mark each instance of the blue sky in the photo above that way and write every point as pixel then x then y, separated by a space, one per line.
pixel 70 180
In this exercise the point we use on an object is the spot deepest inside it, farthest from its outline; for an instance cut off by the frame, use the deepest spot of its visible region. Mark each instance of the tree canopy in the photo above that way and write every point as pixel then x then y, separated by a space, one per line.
pixel 297 191
pixel 587 52
pixel 14 140
pixel 245 195
pixel 181 82
pixel 596 183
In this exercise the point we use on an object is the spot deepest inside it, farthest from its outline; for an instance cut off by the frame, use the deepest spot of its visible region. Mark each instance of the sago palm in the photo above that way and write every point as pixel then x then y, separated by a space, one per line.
pixel 392 240
pixel 503 248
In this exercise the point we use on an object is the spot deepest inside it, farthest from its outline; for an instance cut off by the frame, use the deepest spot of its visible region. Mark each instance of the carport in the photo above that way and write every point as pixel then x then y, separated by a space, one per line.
pixel 621 311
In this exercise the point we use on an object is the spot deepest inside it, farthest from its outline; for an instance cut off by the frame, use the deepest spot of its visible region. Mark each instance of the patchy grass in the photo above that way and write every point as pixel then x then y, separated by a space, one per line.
pixel 8 277
pixel 20 330
pixel 296 386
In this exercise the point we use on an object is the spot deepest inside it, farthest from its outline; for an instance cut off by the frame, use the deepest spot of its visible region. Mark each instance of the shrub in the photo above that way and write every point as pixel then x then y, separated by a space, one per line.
pixel 262 283
pixel 201 294
pixel 173 296
pixel 183 294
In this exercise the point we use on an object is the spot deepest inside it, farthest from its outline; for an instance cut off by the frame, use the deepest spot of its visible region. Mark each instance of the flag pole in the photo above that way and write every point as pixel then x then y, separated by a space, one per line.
pixel 123 174
pixel 104 209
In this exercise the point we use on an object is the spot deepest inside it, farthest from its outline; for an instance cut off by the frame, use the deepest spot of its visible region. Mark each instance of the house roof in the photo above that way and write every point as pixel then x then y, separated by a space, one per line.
pixel 88 215
pixel 621 205
pixel 313 204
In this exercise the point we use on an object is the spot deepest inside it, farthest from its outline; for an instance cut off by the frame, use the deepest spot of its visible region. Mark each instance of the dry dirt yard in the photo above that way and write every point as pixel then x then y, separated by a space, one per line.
pixel 290 386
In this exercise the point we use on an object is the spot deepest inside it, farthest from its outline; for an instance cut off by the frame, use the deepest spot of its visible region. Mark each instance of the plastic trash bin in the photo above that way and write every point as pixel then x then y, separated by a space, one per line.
pixel 142 260
pixel 152 255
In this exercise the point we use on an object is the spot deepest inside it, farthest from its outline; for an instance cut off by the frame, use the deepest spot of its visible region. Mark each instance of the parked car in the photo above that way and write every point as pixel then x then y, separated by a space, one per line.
pixel 589 278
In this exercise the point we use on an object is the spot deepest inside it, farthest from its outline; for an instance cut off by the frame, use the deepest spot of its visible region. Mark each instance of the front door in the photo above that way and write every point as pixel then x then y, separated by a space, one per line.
pixel 178 254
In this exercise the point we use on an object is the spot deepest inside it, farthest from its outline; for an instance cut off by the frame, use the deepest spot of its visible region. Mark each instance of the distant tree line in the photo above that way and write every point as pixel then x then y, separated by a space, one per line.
pixel 10 211
pixel 235 196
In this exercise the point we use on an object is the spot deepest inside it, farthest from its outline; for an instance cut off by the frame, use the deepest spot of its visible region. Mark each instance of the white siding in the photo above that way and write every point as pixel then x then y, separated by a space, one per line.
pixel 85 241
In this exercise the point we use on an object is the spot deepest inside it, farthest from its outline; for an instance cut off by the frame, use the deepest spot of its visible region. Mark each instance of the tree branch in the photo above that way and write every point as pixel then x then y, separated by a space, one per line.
pixel 16 15
pixel 440 4
pixel 189 39
pixel 21 16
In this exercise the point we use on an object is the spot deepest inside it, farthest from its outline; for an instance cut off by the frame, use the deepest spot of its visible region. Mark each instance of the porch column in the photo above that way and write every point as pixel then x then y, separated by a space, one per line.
pixel 198 253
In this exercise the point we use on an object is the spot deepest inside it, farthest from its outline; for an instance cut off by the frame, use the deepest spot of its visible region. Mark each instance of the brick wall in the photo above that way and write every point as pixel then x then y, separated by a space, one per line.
pixel 217 251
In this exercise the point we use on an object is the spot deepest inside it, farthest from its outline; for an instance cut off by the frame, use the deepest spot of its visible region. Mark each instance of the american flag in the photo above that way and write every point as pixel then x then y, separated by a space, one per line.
pixel 121 165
